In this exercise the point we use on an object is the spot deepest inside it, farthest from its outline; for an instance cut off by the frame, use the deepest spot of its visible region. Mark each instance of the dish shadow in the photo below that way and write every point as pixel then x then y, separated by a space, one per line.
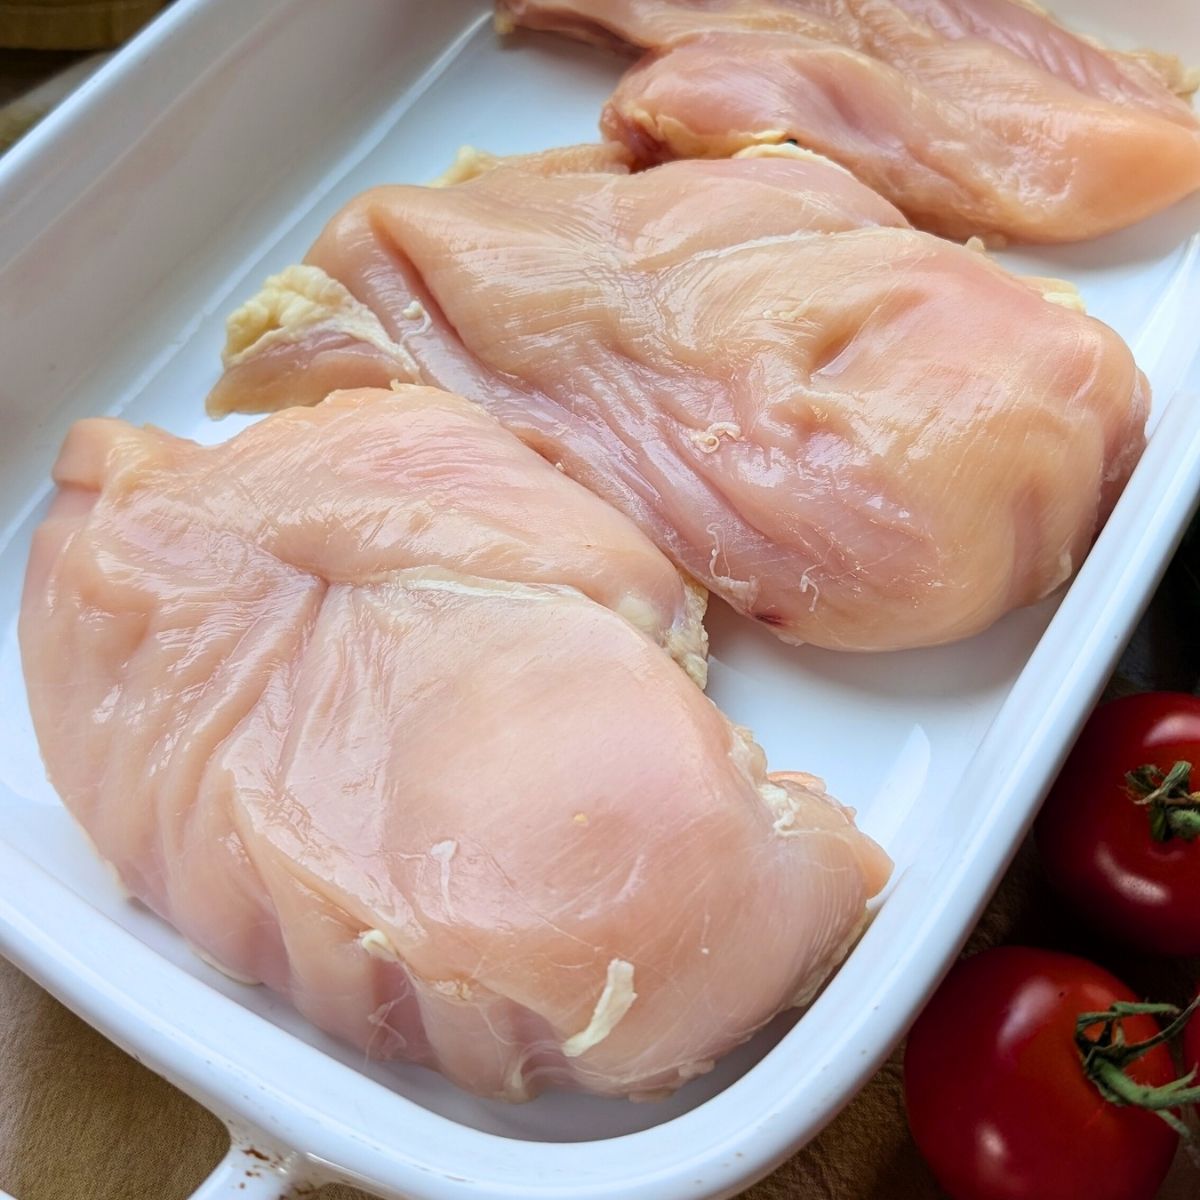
pixel 1150 240
pixel 975 666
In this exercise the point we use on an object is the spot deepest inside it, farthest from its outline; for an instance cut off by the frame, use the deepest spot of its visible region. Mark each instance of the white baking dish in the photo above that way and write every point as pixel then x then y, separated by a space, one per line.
pixel 209 153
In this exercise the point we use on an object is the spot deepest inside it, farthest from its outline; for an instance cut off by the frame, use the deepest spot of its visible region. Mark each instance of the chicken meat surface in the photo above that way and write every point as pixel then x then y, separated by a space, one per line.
pixel 378 708
pixel 975 117
pixel 861 435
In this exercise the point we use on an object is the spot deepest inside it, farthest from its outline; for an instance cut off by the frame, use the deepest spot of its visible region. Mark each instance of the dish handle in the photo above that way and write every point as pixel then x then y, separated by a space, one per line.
pixel 257 1168
pixel 254 1168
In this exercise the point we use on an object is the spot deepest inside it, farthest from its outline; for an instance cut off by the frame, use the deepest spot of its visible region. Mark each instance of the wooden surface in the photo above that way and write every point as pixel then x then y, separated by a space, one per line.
pixel 57 25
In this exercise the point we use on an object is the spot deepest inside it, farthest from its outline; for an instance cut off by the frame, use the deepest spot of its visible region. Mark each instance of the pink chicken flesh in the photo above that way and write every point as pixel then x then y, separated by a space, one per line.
pixel 861 435
pixel 372 704
pixel 973 116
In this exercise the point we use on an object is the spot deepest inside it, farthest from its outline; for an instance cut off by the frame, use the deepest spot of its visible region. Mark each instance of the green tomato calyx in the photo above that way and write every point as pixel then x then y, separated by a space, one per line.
pixel 1174 810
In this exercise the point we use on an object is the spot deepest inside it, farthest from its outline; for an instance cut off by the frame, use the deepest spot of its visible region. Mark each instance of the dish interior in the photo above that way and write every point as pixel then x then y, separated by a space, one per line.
pixel 139 334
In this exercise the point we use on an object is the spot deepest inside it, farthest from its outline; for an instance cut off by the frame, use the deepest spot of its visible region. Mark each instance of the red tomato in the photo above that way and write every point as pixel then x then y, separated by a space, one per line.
pixel 1096 842
pixel 997 1097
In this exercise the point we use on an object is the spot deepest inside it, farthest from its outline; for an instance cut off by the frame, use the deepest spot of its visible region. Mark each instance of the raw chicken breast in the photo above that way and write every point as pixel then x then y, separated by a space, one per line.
pixel 367 702
pixel 863 436
pixel 973 116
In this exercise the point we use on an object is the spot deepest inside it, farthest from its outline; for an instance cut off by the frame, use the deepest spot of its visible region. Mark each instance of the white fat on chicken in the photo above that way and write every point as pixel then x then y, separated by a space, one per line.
pixel 615 1001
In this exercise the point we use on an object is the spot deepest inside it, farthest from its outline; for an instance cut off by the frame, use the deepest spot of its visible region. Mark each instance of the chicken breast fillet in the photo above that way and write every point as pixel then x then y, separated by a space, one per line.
pixel 973 116
pixel 861 435
pixel 372 704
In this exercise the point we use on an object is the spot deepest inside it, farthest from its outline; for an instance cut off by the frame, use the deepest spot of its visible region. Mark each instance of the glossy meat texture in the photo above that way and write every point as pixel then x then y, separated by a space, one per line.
pixel 862 436
pixel 975 117
pixel 371 704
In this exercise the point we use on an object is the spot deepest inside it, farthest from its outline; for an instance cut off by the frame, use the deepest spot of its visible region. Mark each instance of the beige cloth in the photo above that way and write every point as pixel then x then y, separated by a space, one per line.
pixel 80 1120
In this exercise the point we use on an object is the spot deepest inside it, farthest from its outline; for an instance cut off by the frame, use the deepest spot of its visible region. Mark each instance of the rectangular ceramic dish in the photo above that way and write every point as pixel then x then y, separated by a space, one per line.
pixel 209 153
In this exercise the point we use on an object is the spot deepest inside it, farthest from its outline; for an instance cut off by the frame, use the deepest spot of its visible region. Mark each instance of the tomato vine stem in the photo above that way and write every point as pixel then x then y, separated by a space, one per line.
pixel 1106 1056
